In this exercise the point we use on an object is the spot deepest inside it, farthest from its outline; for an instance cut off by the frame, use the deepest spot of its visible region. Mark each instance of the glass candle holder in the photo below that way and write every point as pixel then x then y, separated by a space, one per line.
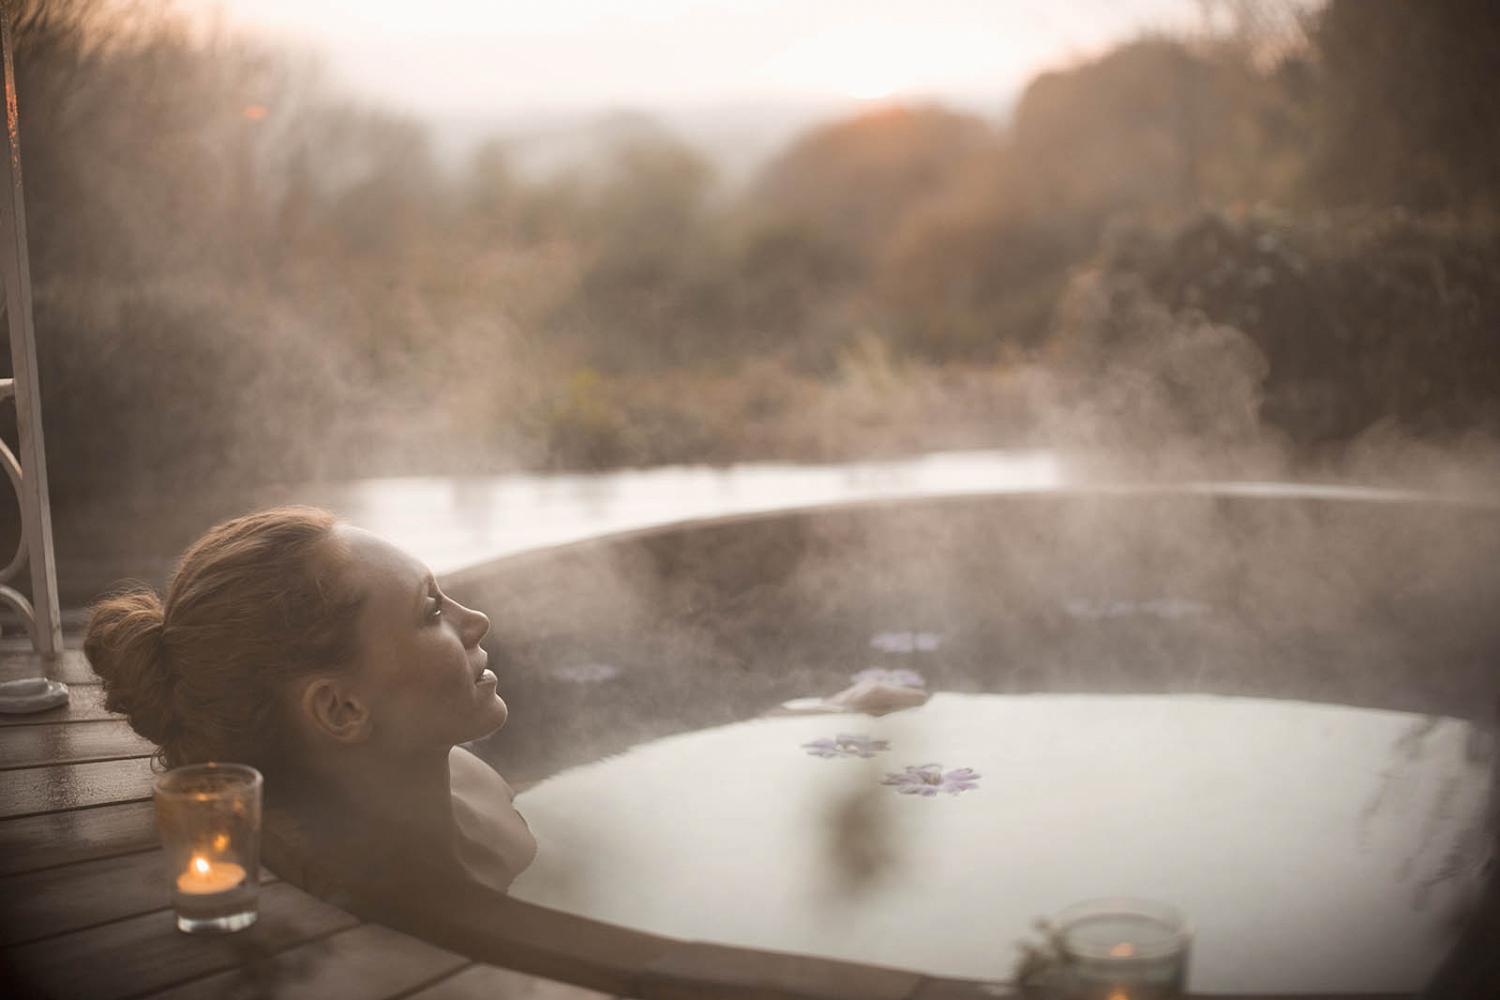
pixel 1122 949
pixel 209 819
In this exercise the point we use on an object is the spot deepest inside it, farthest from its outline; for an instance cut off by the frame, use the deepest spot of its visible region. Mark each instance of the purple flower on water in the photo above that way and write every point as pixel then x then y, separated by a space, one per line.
pixel 846 745
pixel 895 678
pixel 929 779
pixel 906 642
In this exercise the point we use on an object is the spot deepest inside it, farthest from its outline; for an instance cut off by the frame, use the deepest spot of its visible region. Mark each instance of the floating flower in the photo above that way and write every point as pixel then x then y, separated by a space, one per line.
pixel 895 678
pixel 846 745
pixel 906 642
pixel 929 779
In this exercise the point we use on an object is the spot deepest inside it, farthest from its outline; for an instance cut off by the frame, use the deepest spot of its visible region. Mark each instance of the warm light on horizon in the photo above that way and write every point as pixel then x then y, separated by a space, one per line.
pixel 872 62
pixel 503 56
pixel 870 92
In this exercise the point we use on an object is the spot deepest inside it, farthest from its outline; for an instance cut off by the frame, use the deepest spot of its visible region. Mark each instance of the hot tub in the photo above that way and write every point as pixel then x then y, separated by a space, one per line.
pixel 1272 707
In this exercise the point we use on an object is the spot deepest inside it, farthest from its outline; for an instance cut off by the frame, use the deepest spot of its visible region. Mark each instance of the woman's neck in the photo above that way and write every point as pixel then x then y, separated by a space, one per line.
pixel 405 804
pixel 412 798
pixel 382 832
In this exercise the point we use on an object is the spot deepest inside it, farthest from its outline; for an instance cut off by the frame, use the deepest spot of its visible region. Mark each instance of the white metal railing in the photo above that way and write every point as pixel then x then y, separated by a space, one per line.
pixel 28 470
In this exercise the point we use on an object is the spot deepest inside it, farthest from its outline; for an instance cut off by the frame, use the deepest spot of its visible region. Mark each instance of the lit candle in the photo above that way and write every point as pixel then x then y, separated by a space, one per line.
pixel 209 818
pixel 1124 949
pixel 204 877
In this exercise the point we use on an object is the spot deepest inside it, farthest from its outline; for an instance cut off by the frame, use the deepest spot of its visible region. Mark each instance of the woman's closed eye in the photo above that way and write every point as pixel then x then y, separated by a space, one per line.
pixel 432 607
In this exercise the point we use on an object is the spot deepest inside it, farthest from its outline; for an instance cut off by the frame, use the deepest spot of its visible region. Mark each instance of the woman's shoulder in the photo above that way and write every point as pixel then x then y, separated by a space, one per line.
pixel 292 851
pixel 488 821
pixel 469 772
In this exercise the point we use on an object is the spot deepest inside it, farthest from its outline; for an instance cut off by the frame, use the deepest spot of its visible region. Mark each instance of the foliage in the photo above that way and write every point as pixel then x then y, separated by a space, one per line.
pixel 1408 113
pixel 257 280
pixel 853 180
pixel 1357 317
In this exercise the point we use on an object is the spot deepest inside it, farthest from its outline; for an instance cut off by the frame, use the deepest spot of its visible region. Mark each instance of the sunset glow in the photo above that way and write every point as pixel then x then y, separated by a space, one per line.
pixel 463 56
pixel 870 91
pixel 877 61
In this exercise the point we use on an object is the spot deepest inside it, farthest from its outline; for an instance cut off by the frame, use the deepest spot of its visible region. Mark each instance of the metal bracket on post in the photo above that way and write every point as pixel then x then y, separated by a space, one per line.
pixel 28 470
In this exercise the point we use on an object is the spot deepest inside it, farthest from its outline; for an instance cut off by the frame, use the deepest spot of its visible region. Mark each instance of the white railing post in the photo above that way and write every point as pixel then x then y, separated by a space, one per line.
pixel 28 470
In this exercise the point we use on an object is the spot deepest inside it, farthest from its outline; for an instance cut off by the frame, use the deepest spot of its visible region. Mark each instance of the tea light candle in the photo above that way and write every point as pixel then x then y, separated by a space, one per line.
pixel 204 877
pixel 207 814
pixel 1124 950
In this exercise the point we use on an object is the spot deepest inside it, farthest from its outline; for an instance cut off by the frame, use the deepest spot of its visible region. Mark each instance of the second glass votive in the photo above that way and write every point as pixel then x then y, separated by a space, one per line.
pixel 208 816
pixel 1122 949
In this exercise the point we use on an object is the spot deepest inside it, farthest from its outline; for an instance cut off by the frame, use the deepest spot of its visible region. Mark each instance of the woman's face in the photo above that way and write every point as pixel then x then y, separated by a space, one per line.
pixel 421 671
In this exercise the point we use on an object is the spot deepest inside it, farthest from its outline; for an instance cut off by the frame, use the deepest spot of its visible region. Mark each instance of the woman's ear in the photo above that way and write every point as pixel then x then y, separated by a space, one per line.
pixel 336 712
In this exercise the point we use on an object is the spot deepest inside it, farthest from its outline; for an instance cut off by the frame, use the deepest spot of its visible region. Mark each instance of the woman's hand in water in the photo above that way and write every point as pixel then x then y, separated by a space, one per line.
pixel 874 697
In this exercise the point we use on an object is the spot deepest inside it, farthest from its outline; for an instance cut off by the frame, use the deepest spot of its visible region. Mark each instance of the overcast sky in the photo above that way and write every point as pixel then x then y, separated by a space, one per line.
pixel 507 57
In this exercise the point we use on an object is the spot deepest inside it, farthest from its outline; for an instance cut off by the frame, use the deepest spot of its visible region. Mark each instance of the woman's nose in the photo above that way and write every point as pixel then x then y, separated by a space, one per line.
pixel 476 626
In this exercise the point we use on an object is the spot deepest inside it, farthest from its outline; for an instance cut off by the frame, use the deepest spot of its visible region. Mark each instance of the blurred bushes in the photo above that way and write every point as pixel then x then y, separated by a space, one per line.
pixel 241 277
pixel 1407 110
pixel 1360 317
pixel 854 180
pixel 872 406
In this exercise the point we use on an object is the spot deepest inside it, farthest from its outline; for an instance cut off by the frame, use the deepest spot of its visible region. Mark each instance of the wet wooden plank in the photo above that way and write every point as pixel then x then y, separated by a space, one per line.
pixel 70 668
pixel 489 982
pixel 75 624
pixel 85 704
pixel 29 790
pixel 146 953
pixel 63 743
pixel 533 939
pixel 368 962
pixel 50 839
pixel 40 904
pixel 36 905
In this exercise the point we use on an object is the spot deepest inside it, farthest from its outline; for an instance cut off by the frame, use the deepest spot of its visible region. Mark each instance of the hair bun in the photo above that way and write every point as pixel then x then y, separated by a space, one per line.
pixel 125 644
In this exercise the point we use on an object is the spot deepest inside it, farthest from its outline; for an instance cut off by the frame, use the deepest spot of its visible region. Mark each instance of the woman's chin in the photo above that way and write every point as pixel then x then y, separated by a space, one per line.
pixel 496 712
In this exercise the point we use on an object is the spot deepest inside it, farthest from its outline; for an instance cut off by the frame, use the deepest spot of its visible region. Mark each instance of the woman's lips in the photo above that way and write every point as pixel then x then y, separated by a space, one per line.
pixel 486 676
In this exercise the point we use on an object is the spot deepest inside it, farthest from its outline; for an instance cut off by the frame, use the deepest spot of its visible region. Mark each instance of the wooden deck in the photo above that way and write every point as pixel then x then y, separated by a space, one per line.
pixel 85 911
pixel 84 906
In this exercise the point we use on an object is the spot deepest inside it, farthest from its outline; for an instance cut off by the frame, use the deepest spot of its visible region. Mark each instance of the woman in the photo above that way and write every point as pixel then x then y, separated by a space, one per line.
pixel 335 664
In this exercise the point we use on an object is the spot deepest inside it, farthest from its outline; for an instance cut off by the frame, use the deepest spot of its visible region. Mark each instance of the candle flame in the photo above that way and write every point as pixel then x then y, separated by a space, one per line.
pixel 200 864
pixel 1118 995
pixel 1122 950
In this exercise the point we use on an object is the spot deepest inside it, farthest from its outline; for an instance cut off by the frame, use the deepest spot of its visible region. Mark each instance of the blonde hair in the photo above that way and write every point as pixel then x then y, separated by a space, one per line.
pixel 253 605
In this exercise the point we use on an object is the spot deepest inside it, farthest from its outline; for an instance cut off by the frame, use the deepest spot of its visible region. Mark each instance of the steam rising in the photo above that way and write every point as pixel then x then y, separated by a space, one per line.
pixel 246 285
pixel 302 290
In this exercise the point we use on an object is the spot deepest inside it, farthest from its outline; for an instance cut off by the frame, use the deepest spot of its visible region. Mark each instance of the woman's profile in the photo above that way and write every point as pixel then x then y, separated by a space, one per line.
pixel 334 663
